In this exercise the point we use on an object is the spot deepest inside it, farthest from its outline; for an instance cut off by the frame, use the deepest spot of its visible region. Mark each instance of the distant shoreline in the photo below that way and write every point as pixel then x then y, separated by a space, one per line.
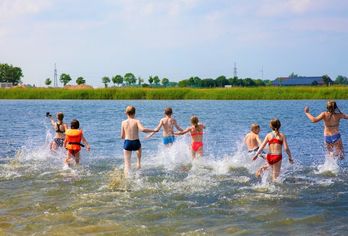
pixel 234 93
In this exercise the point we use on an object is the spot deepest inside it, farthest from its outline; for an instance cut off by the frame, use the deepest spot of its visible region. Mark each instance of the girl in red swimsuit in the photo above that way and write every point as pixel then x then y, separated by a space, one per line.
pixel 196 131
pixel 276 141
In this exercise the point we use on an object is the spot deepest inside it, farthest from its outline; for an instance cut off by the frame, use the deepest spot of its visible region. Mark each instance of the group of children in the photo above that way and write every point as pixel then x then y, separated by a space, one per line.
pixel 131 127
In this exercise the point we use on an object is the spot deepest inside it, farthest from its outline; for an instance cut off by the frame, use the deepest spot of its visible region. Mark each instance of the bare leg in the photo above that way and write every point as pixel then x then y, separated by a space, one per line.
pixel 139 158
pixel 260 171
pixel 200 151
pixel 127 161
pixel 77 158
pixel 193 153
pixel 68 158
pixel 329 148
pixel 53 146
pixel 276 170
pixel 339 149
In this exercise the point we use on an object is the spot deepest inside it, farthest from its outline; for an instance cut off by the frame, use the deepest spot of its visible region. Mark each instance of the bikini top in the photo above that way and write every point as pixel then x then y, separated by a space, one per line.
pixel 275 140
pixel 197 133
pixel 58 130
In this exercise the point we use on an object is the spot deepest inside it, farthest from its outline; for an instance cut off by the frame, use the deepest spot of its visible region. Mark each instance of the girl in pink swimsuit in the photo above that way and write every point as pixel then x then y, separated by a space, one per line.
pixel 275 141
pixel 196 131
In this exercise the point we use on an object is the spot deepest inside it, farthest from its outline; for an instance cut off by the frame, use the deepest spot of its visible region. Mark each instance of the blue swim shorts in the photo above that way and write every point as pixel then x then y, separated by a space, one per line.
pixel 168 140
pixel 131 145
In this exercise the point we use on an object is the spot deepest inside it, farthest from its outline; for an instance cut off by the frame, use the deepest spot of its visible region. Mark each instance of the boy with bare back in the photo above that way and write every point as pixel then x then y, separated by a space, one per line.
pixel 168 123
pixel 130 133
pixel 252 140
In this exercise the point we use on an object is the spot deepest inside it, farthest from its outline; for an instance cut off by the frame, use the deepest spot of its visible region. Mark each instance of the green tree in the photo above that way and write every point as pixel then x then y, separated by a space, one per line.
pixel 165 82
pixel 156 80
pixel 248 82
pixel 208 83
pixel 341 80
pixel 293 75
pixel 129 78
pixel 183 83
pixel 105 81
pixel 117 79
pixel 48 81
pixel 150 80
pixel 80 80
pixel 326 79
pixel 221 81
pixel 65 78
pixel 10 74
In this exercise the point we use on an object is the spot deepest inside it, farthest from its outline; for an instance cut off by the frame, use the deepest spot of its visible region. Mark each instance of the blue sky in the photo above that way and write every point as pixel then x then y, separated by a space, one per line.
pixel 174 38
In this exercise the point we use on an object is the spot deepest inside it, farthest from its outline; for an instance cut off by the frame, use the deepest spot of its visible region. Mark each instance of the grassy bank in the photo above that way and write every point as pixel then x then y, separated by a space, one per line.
pixel 267 93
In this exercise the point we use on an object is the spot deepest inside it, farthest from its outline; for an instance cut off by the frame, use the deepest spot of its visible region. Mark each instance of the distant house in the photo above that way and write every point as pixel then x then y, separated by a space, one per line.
pixel 300 81
pixel 6 85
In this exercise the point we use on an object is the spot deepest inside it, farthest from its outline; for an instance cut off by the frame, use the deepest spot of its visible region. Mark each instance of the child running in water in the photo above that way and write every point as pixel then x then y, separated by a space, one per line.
pixel 275 141
pixel 60 128
pixel 168 123
pixel 73 138
pixel 332 136
pixel 196 131
pixel 130 133
pixel 252 139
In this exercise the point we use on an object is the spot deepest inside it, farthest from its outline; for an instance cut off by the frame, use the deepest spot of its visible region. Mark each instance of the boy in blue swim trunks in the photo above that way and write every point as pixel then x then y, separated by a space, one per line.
pixel 168 123
pixel 130 133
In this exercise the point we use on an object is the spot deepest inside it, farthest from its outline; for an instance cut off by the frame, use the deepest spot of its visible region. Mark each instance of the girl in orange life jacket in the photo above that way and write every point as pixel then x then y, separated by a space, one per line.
pixel 60 128
pixel 72 142
pixel 275 141
pixel 196 131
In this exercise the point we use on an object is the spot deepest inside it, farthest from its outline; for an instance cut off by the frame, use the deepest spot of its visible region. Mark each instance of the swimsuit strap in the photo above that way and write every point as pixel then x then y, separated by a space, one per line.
pixel 57 129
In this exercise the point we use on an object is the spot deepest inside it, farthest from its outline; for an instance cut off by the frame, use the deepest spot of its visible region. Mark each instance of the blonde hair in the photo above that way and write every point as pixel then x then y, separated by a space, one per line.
pixel 275 125
pixel 254 126
pixel 331 107
pixel 130 110
pixel 194 121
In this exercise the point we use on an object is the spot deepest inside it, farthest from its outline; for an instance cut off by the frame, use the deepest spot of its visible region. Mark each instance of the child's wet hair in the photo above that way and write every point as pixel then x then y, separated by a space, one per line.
pixel 275 125
pixel 254 126
pixel 332 107
pixel 168 111
pixel 130 110
pixel 60 116
pixel 75 124
pixel 194 121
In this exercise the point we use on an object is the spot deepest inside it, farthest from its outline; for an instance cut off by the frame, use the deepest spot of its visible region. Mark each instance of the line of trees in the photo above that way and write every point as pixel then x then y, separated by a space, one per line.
pixel 13 74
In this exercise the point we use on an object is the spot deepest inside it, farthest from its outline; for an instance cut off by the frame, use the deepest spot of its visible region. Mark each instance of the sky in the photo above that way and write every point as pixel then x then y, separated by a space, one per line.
pixel 175 39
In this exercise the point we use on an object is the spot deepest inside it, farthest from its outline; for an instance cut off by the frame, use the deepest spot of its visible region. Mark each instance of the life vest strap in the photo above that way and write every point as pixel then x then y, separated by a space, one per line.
pixel 75 143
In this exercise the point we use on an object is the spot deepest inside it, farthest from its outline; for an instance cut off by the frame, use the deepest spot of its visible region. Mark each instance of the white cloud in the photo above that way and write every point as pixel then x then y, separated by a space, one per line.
pixel 13 8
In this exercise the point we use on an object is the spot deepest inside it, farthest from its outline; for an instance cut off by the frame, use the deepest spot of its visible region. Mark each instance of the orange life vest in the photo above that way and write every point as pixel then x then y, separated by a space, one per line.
pixel 73 139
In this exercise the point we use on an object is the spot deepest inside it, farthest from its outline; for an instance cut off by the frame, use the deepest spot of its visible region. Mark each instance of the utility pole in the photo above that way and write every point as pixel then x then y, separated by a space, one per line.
pixel 262 72
pixel 55 80
pixel 235 71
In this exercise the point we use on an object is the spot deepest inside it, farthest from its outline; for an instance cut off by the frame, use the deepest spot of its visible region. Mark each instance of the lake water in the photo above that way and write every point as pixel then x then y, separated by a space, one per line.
pixel 217 194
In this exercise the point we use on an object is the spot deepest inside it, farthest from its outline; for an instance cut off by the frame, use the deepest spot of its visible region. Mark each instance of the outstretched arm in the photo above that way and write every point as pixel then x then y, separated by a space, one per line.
pixel 261 148
pixel 183 132
pixel 177 126
pixel 287 149
pixel 311 117
pixel 145 130
pixel 84 141
pixel 156 129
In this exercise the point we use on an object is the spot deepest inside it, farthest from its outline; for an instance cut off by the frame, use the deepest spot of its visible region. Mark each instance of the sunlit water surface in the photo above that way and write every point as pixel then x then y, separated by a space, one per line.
pixel 218 194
